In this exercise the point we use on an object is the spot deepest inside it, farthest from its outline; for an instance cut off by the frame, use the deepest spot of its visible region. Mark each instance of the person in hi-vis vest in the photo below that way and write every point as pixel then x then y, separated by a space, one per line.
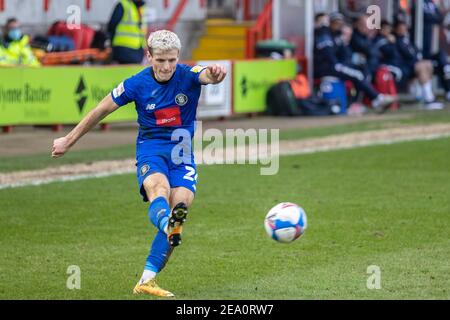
pixel 15 47
pixel 127 32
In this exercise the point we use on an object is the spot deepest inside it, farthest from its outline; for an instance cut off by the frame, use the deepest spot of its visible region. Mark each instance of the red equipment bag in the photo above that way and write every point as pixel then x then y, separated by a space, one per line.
pixel 82 36
pixel 384 83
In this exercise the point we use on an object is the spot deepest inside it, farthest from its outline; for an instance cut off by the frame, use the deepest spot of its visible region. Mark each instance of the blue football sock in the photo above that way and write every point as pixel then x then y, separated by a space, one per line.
pixel 159 253
pixel 158 212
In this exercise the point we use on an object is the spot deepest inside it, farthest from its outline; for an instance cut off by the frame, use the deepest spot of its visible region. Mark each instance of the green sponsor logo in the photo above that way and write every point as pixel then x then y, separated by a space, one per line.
pixel 244 86
pixel 27 93
pixel 59 95
pixel 81 95
pixel 252 80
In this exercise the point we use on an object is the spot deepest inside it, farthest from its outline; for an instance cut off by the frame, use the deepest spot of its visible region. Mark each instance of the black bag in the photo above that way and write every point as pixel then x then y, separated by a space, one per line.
pixel 101 40
pixel 316 106
pixel 280 100
pixel 53 43
pixel 41 42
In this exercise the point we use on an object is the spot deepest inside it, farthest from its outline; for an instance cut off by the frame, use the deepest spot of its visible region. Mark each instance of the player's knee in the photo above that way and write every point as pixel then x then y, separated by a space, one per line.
pixel 156 186
pixel 182 197
pixel 159 191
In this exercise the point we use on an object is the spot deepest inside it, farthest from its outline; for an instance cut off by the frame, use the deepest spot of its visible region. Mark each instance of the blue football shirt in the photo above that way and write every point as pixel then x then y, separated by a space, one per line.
pixel 162 107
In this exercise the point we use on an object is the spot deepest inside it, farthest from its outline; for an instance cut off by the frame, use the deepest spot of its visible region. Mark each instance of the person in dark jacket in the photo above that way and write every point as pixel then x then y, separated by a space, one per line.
pixel 413 65
pixel 410 55
pixel 321 20
pixel 338 28
pixel 362 45
pixel 432 17
pixel 388 55
pixel 326 63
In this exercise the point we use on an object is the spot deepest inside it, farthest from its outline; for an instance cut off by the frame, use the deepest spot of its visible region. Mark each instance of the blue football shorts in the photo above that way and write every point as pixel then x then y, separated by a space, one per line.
pixel 155 156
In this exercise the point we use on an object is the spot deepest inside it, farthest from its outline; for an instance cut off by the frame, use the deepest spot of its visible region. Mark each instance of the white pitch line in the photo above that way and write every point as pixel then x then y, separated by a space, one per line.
pixel 119 167
pixel 363 144
pixel 66 178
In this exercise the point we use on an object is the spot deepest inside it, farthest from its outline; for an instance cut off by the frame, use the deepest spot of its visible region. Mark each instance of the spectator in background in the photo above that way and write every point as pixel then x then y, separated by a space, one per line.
pixel 388 55
pixel 345 53
pixel 321 20
pixel 127 32
pixel 413 65
pixel 401 10
pixel 336 21
pixel 16 49
pixel 432 17
pixel 327 64
pixel 362 46
pixel 342 35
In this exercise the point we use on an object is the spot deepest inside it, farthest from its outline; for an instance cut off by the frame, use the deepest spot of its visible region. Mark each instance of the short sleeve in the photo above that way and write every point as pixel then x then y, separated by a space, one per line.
pixel 123 93
pixel 194 73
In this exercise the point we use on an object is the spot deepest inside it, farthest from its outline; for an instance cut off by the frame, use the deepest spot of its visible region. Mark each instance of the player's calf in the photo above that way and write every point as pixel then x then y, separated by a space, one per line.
pixel 175 224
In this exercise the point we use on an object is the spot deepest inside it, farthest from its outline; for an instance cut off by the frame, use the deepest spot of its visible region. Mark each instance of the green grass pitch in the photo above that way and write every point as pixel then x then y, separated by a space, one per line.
pixel 384 205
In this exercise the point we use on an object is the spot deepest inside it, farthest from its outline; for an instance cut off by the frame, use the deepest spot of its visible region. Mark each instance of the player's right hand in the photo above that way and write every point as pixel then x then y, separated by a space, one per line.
pixel 60 147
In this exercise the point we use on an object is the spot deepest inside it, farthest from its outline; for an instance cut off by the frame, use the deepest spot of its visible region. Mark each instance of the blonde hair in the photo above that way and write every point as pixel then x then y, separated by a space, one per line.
pixel 163 40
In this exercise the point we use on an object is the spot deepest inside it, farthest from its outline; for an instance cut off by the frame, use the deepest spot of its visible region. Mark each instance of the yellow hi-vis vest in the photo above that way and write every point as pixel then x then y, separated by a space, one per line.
pixel 19 53
pixel 128 33
pixel 2 56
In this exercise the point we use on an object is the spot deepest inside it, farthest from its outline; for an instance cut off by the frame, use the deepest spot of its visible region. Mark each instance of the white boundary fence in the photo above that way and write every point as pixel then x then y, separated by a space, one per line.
pixel 216 101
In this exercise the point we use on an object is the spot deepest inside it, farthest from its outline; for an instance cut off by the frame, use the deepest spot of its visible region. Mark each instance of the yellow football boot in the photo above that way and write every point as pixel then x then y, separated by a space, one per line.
pixel 150 287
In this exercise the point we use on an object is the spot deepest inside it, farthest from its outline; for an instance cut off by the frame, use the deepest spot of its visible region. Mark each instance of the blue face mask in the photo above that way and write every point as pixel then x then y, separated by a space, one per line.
pixel 15 34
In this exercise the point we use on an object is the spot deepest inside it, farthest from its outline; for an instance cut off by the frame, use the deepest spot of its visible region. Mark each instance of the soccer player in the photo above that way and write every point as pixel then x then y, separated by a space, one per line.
pixel 166 97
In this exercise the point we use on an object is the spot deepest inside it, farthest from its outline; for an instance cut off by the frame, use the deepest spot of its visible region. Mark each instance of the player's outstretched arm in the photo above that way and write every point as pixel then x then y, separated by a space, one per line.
pixel 104 108
pixel 213 74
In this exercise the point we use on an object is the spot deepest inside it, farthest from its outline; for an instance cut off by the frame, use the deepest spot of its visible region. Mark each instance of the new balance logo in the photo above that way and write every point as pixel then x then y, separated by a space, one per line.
pixel 150 107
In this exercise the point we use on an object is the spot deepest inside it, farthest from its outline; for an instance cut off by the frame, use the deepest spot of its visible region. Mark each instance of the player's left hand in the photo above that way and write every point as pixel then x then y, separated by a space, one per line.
pixel 216 73
pixel 60 147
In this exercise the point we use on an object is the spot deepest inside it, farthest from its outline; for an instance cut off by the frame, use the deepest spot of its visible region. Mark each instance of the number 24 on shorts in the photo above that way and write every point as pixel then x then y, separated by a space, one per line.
pixel 191 175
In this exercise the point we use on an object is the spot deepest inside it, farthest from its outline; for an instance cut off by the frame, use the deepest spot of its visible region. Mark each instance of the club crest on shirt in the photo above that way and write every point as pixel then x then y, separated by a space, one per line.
pixel 181 99
pixel 144 169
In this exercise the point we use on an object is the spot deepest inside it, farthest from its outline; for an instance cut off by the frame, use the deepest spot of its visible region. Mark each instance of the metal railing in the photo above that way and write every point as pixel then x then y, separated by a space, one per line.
pixel 262 30
pixel 176 15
